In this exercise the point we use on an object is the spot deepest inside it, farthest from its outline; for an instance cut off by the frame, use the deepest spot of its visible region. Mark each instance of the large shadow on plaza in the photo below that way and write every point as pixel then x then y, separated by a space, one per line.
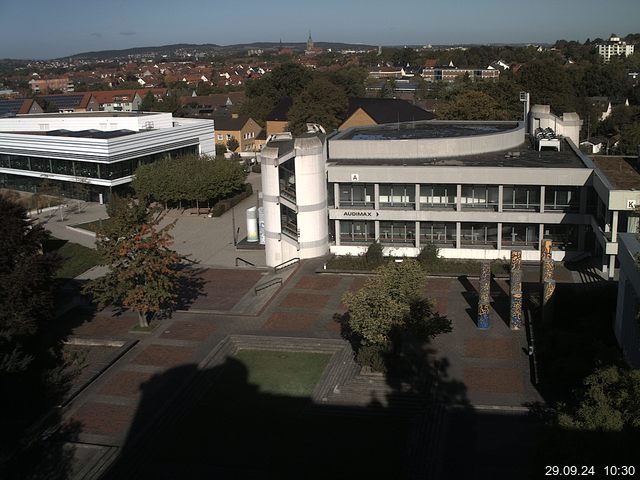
pixel 498 296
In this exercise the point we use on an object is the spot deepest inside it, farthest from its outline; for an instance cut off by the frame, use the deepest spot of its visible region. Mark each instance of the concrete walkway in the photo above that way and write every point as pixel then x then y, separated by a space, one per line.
pixel 208 241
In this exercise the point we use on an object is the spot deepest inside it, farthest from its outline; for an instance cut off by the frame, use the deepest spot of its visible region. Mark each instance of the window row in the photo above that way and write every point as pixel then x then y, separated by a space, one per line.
pixel 444 196
pixel 444 234
pixel 75 168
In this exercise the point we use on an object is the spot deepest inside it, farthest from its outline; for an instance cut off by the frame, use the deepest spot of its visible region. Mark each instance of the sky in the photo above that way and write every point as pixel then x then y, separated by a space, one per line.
pixel 44 29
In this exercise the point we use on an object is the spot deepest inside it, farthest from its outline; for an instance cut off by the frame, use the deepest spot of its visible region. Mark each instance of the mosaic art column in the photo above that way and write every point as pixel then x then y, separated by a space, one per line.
pixel 484 299
pixel 515 312
pixel 548 289
pixel 548 283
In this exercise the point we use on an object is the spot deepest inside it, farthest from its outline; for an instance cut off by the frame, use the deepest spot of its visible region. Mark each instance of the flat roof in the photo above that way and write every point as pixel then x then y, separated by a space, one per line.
pixel 620 171
pixel 88 114
pixel 423 130
pixel 525 156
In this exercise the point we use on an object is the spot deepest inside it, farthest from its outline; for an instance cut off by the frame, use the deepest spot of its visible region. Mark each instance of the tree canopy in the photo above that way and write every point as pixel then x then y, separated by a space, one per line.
pixel 144 273
pixel 189 178
pixel 320 102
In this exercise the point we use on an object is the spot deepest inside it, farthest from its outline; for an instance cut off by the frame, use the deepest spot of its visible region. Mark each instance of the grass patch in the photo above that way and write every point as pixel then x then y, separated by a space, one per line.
pixel 284 373
pixel 240 425
pixel 92 226
pixel 76 259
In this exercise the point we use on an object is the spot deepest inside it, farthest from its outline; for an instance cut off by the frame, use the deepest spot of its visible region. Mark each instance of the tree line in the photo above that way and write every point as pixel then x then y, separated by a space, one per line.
pixel 189 179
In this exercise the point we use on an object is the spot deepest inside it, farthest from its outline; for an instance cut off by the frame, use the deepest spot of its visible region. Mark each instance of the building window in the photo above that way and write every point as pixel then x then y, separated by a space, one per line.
pixel 520 235
pixel 289 222
pixel 358 195
pixel 397 196
pixel 442 234
pixel 479 196
pixel 438 196
pixel 564 237
pixel 479 235
pixel 398 233
pixel 287 173
pixel 521 198
pixel 356 232
pixel 562 199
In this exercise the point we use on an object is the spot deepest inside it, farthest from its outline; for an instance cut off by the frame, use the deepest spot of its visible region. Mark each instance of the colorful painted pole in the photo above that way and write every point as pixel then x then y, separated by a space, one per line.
pixel 516 260
pixel 484 298
pixel 515 312
pixel 549 287
pixel 545 255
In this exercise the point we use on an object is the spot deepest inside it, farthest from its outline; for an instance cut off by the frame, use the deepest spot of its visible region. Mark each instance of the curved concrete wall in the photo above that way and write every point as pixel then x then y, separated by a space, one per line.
pixel 428 147
pixel 311 197
pixel 271 205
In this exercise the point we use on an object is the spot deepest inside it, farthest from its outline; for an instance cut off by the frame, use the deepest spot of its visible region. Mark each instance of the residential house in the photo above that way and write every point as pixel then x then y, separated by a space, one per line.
pixel 19 106
pixel 71 102
pixel 46 85
pixel 376 111
pixel 277 120
pixel 241 127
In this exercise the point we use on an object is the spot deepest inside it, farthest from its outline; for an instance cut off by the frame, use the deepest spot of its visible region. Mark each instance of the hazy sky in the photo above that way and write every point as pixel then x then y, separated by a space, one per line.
pixel 50 29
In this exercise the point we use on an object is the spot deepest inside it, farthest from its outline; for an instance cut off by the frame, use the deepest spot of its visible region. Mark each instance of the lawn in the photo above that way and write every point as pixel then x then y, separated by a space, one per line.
pixel 284 373
pixel 76 259
pixel 92 226
pixel 253 421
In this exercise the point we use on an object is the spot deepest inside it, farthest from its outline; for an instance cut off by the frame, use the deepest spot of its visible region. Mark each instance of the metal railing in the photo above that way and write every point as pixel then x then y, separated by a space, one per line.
pixel 286 264
pixel 244 261
pixel 270 283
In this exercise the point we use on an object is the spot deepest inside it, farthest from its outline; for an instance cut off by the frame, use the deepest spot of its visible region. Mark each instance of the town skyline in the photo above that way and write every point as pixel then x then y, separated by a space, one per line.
pixel 439 23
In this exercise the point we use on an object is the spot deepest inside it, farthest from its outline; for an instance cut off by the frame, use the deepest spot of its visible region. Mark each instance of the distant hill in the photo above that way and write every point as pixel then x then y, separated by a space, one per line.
pixel 209 48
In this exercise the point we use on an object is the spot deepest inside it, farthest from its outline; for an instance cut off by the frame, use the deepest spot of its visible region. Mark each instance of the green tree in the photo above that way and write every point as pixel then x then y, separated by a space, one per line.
pixel 384 304
pixel 148 103
pixel 233 144
pixel 630 139
pixel 472 105
pixel 610 401
pixel 144 273
pixel 30 378
pixel 320 102
pixel 549 83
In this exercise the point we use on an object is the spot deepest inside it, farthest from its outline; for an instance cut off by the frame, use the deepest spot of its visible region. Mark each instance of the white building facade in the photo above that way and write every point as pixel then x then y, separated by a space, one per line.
pixel 614 48
pixel 97 149
pixel 476 190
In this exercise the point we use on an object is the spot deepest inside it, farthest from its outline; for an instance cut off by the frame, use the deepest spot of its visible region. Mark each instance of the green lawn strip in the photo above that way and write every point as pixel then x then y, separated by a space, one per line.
pixel 284 373
pixel 442 266
pixel 92 226
pixel 76 259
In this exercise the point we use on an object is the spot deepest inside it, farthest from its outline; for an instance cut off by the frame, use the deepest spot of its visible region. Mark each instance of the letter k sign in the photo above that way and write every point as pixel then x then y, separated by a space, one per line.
pixel 355 177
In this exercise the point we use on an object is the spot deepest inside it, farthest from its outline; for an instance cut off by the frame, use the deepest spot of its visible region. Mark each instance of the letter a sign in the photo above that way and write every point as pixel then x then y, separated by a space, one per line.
pixel 355 177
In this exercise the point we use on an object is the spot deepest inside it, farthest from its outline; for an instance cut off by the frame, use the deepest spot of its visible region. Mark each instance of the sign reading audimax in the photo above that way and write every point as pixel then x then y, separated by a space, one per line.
pixel 360 213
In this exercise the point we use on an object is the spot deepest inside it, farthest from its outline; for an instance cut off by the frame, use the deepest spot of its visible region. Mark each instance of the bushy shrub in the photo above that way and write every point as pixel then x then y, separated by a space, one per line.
pixel 374 257
pixel 217 210
pixel 256 168
pixel 429 256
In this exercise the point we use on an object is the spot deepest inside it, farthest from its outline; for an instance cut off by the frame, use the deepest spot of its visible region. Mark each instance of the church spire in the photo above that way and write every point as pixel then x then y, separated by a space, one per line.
pixel 309 42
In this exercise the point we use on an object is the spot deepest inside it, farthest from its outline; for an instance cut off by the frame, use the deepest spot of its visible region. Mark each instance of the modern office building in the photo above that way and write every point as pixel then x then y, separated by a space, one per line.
pixel 97 150
pixel 474 189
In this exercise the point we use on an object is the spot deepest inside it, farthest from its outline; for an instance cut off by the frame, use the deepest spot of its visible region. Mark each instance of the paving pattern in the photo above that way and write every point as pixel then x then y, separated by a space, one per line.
pixel 490 365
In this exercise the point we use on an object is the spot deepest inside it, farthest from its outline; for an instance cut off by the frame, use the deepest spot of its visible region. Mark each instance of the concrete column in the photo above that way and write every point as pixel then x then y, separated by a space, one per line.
pixel 540 237
pixel 417 234
pixel 542 194
pixel 458 229
pixel 581 238
pixel 417 196
pixel 612 266
pixel 377 230
pixel 458 197
pixel 614 226
pixel 499 234
pixel 337 230
pixel 500 197
pixel 376 196
pixel 583 199
pixel 336 195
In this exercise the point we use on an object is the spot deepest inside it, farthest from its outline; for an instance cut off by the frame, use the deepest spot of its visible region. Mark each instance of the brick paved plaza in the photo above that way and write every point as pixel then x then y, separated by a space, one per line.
pixel 489 367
